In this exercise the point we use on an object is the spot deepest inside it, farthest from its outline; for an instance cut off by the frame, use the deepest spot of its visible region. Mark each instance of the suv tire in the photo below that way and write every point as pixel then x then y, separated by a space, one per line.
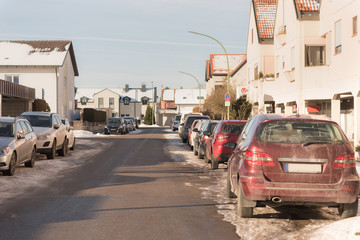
pixel 31 162
pixel 347 210
pixel 52 153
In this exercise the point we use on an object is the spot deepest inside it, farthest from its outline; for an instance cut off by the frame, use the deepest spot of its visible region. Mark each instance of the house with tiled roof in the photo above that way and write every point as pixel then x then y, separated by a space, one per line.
pixel 47 66
pixel 187 99
pixel 316 45
pixel 260 50
pixel 217 70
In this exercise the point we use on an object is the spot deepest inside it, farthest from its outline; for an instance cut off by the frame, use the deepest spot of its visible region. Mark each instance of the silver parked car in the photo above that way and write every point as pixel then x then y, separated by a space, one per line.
pixel 17 144
pixel 50 132
pixel 70 133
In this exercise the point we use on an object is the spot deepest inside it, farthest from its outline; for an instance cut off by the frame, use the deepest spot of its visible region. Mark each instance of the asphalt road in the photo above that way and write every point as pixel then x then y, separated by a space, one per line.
pixel 131 189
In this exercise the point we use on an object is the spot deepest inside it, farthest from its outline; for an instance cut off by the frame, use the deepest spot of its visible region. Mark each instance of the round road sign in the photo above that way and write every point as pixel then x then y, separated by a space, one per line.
pixel 227 97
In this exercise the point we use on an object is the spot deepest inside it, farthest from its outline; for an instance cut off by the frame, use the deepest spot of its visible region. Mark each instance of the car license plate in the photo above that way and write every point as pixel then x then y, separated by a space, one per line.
pixel 302 168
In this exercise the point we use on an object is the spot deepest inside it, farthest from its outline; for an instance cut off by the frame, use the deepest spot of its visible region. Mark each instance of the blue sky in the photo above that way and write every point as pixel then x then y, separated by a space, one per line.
pixel 120 42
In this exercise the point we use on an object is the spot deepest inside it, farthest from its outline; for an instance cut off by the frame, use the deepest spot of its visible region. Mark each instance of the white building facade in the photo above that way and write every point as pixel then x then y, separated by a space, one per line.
pixel 48 66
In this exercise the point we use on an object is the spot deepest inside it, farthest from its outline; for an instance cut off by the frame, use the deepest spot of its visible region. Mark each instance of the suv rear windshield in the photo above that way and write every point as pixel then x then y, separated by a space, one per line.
pixel 38 121
pixel 232 128
pixel 299 132
pixel 190 120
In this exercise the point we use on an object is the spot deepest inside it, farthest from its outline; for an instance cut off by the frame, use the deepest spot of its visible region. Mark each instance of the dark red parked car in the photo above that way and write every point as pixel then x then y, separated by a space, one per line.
pixel 221 144
pixel 293 160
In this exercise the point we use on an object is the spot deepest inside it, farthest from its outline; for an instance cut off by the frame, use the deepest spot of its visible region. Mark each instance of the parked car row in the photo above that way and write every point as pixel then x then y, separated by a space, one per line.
pixel 30 133
pixel 274 160
pixel 120 125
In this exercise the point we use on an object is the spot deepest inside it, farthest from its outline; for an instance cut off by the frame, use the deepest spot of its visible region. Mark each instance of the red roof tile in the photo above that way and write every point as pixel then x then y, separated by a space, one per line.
pixel 218 63
pixel 308 5
pixel 265 12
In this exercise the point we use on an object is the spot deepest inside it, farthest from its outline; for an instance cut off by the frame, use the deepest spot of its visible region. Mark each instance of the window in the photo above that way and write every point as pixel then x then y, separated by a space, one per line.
pixel 101 102
pixel 111 103
pixel 338 40
pixel 292 58
pixel 354 22
pixel 314 55
pixel 200 97
pixel 12 78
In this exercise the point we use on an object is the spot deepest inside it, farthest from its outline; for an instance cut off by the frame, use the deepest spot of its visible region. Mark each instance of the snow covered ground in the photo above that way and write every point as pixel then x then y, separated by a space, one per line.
pixel 45 170
pixel 88 134
pixel 268 223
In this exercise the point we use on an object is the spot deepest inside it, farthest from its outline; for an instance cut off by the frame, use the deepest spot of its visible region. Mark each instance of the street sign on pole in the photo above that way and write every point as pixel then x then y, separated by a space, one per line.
pixel 227 103
pixel 227 97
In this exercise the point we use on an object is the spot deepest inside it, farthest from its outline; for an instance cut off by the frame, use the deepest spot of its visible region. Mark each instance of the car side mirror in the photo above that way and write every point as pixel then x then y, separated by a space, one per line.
pixel 20 135
pixel 56 125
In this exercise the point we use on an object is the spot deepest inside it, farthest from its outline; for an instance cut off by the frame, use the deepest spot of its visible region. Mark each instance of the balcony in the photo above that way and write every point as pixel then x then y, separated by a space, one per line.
pixel 10 89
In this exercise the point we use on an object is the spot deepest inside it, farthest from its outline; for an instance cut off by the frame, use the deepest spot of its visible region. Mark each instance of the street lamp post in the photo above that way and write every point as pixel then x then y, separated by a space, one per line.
pixel 152 112
pixel 199 87
pixel 228 68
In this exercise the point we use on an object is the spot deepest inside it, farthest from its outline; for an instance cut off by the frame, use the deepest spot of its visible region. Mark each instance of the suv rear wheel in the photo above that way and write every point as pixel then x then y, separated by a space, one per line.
pixel 242 210
pixel 214 163
pixel 347 210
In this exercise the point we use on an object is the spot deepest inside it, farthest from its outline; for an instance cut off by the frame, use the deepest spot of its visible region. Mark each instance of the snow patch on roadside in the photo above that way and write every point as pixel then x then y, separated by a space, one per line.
pixel 45 170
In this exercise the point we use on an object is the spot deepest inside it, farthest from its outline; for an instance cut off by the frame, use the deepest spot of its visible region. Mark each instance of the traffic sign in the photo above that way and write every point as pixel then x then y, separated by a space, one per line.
pixel 227 103
pixel 227 97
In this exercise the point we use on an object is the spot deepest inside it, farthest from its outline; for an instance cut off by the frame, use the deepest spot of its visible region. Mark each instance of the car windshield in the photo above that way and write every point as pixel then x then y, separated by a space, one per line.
pixel 299 132
pixel 232 128
pixel 114 121
pixel 38 121
pixel 6 129
pixel 177 118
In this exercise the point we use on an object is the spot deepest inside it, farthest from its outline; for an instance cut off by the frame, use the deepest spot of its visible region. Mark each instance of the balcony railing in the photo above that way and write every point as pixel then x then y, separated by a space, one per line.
pixel 15 90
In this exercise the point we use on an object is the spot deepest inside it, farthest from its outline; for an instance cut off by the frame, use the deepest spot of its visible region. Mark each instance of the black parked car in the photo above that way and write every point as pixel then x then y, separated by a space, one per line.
pixel 202 137
pixel 115 125
pixel 187 124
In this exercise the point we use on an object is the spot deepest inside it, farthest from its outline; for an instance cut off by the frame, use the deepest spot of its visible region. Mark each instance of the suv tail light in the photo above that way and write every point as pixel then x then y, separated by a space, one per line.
pixel 258 159
pixel 222 136
pixel 344 161
pixel 204 138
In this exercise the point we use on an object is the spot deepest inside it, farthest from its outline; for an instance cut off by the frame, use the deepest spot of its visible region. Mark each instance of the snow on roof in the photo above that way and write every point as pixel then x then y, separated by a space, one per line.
pixel 189 96
pixel 168 95
pixel 218 63
pixel 308 5
pixel 36 53
pixel 135 94
pixel 265 12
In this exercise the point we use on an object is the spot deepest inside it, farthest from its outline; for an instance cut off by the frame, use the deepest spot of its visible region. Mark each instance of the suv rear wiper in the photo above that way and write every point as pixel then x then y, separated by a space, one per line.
pixel 314 142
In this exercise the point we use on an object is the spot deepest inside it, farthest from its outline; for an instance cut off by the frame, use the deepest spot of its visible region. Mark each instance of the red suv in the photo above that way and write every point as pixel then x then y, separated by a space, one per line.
pixel 221 145
pixel 293 160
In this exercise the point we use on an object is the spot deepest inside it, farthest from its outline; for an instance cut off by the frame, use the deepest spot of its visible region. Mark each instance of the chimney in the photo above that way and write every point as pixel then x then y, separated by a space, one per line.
pixel 143 87
pixel 126 88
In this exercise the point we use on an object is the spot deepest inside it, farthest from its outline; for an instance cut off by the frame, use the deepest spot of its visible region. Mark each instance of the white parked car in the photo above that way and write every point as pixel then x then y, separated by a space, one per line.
pixel 50 132
pixel 70 133
pixel 17 144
